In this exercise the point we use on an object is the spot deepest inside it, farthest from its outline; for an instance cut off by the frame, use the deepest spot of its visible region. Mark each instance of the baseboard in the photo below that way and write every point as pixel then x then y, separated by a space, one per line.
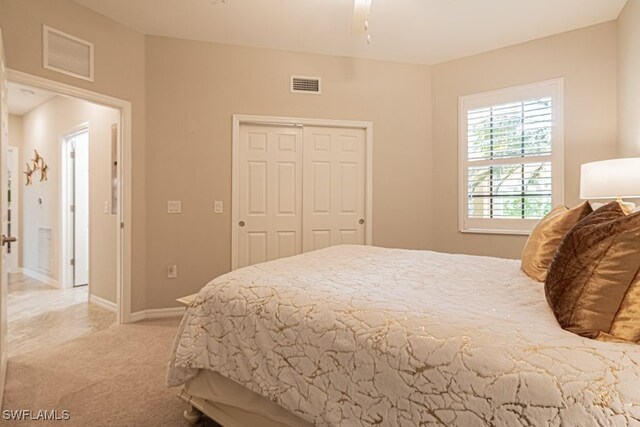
pixel 111 306
pixel 40 277
pixel 156 313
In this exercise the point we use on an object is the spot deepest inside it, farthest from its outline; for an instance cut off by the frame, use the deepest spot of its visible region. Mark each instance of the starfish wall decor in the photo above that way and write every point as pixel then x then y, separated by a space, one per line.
pixel 37 163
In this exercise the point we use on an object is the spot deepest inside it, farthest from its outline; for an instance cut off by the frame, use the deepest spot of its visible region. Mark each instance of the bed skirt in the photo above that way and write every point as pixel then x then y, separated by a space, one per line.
pixel 232 405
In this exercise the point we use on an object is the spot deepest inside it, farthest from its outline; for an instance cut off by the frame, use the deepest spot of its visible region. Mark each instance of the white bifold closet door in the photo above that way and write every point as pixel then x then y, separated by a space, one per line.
pixel 269 193
pixel 334 187
pixel 299 189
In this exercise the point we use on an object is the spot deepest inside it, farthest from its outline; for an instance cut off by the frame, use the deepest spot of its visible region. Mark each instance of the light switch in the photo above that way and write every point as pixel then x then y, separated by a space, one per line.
pixel 217 207
pixel 174 206
pixel 106 207
pixel 172 271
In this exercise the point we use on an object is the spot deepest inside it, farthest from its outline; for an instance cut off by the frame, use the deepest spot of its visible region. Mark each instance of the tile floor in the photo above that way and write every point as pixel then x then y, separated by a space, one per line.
pixel 40 316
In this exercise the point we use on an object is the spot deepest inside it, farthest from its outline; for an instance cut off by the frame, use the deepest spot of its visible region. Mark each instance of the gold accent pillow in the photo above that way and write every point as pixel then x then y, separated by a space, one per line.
pixel 593 283
pixel 546 237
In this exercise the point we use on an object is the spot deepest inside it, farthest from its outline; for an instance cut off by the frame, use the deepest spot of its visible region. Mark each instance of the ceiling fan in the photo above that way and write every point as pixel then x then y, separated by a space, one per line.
pixel 359 22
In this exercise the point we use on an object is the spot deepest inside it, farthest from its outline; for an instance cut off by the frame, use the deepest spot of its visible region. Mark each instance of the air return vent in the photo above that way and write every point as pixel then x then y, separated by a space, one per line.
pixel 45 261
pixel 303 84
pixel 67 54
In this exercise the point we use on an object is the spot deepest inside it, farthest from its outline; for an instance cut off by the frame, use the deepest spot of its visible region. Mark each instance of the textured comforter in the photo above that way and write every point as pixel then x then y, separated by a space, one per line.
pixel 357 335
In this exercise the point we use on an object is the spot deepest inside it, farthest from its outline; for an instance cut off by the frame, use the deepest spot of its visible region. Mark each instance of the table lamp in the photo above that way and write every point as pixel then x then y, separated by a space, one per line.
pixel 611 179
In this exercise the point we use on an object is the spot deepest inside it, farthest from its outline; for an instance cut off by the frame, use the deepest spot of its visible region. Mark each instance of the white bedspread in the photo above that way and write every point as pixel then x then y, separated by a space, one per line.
pixel 356 335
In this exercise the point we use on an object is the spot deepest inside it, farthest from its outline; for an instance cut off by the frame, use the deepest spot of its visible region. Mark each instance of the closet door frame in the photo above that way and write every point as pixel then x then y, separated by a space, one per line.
pixel 239 119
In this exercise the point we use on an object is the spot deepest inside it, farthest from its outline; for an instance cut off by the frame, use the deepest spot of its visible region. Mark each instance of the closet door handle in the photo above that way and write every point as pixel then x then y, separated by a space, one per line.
pixel 361 221
pixel 241 223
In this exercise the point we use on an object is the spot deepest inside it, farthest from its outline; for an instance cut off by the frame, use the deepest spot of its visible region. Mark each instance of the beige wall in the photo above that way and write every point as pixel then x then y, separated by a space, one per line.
pixel 191 89
pixel 120 72
pixel 189 107
pixel 15 140
pixel 629 79
pixel 43 129
pixel 586 58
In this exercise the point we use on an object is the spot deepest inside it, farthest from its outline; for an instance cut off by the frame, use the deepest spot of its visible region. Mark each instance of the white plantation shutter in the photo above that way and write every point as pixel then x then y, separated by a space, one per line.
pixel 510 157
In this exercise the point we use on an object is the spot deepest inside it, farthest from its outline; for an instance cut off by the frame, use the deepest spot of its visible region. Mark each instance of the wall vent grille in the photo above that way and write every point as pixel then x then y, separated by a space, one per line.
pixel 45 259
pixel 303 84
pixel 67 54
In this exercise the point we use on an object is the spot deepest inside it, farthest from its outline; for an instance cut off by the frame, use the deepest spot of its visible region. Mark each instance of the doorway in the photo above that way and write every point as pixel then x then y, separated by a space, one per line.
pixel 75 207
pixel 65 178
pixel 121 179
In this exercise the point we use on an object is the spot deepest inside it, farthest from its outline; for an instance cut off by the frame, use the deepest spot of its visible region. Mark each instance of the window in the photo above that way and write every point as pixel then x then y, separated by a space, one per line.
pixel 510 157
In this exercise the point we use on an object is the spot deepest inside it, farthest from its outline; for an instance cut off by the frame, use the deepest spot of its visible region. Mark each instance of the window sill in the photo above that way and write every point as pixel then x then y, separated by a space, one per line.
pixel 495 231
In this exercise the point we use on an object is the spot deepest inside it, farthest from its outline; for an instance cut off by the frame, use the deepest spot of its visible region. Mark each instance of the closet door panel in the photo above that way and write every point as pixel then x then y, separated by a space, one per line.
pixel 334 187
pixel 269 193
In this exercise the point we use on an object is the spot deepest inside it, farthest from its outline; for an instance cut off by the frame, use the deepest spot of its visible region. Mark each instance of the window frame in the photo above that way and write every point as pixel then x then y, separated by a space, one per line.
pixel 549 88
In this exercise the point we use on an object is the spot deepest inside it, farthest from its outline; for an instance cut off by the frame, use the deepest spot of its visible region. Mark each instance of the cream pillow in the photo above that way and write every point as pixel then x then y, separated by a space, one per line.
pixel 547 236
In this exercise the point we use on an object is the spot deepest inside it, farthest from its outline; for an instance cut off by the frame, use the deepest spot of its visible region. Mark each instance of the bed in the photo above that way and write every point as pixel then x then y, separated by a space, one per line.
pixel 361 335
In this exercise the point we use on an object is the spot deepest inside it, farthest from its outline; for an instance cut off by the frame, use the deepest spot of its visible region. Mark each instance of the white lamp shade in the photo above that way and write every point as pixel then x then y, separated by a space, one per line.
pixel 610 179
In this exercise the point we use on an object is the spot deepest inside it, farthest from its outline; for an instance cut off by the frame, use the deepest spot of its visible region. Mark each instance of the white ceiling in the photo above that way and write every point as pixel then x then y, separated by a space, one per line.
pixel 419 31
pixel 22 99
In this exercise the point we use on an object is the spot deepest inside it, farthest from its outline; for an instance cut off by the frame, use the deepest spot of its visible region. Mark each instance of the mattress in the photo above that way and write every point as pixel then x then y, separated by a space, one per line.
pixel 360 335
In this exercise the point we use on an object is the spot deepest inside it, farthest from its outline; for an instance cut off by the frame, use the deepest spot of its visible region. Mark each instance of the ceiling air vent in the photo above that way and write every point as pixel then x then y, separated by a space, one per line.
pixel 67 54
pixel 303 84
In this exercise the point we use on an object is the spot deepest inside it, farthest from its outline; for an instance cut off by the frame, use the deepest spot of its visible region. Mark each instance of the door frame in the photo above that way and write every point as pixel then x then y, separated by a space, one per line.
pixel 123 244
pixel 66 232
pixel 240 119
pixel 15 208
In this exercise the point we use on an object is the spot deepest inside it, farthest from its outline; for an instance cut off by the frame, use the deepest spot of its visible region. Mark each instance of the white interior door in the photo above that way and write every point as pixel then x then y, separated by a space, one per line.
pixel 4 142
pixel 81 212
pixel 269 193
pixel 334 187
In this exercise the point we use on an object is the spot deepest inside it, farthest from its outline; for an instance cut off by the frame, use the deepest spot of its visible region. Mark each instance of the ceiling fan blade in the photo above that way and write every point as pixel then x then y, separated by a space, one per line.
pixel 361 10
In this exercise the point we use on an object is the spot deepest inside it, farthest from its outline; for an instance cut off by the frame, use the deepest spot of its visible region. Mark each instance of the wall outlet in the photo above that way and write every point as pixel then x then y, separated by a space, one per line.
pixel 172 271
pixel 174 206
pixel 217 207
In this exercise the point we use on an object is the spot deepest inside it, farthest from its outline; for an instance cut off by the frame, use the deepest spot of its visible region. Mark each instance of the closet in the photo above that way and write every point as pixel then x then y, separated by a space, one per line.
pixel 297 188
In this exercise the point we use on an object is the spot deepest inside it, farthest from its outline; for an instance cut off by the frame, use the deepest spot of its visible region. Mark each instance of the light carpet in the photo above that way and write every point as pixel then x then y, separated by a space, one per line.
pixel 114 377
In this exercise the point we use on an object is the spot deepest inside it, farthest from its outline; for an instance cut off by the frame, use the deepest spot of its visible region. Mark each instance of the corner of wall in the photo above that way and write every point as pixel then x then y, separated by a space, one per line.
pixel 628 81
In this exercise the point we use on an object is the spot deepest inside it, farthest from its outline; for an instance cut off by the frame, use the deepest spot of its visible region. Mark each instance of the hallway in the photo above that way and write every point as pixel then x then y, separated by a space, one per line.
pixel 41 316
